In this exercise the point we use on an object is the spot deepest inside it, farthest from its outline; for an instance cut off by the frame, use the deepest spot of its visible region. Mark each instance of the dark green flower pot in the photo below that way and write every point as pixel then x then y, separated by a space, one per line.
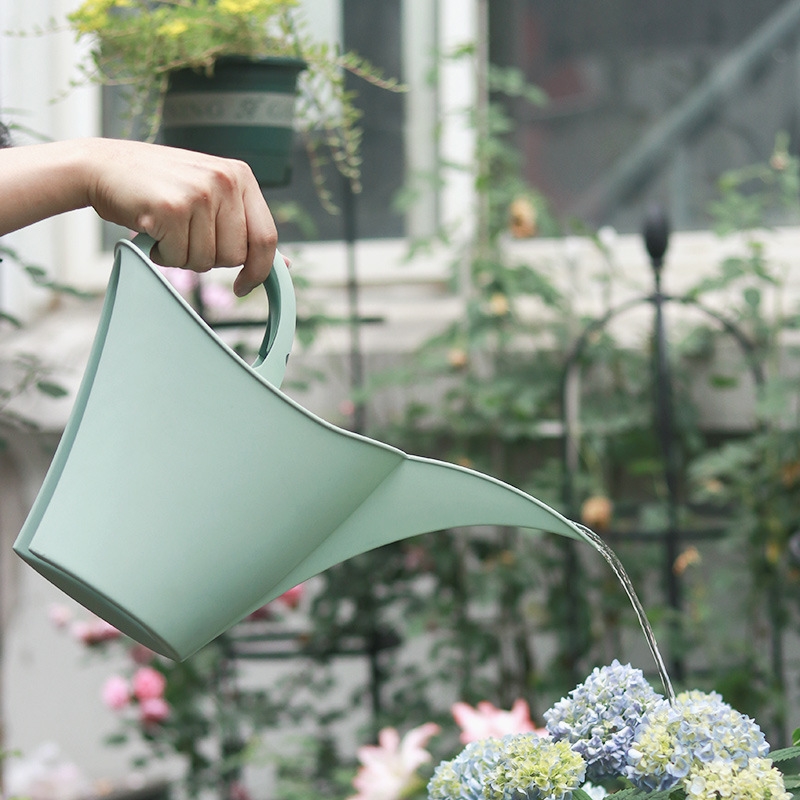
pixel 244 110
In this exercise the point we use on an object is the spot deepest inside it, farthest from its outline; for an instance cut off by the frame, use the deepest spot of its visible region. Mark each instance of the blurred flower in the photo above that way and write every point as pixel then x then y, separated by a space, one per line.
pixel 238 791
pixel 516 767
pixel 674 741
pixel 499 305
pixel 44 774
pixel 148 683
pixel 599 717
pixel 779 160
pixel 141 654
pixel 389 769
pixel 522 219
pixel 116 692
pixel 596 512
pixel 214 295
pixel 291 597
pixel 263 613
pixel 183 281
pixel 457 358
pixel 173 29
pixel 485 721
pixel 59 615
pixel 691 555
pixel 607 236
pixel 95 631
pixel 153 710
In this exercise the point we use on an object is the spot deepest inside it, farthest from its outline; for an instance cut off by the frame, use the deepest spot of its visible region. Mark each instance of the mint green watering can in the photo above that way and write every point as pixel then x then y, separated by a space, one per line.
pixel 188 490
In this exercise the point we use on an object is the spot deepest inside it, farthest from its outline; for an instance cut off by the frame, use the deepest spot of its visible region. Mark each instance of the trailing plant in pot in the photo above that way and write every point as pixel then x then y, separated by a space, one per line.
pixel 155 48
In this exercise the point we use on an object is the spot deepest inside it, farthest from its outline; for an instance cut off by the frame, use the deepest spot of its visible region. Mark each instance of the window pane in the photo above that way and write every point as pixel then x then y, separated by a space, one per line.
pixel 613 71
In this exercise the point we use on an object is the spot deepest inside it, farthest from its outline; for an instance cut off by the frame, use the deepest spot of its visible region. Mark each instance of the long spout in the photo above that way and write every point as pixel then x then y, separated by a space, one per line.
pixel 423 495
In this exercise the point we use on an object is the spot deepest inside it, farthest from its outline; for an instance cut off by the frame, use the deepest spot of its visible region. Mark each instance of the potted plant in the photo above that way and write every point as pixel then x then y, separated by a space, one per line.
pixel 220 76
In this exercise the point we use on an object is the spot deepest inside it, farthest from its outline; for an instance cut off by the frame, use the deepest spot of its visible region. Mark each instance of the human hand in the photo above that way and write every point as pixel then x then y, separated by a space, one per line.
pixel 202 210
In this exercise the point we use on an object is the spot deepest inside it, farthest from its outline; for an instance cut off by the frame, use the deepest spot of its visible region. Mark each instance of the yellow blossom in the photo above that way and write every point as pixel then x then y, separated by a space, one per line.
pixel 457 358
pixel 239 6
pixel 173 29
pixel 499 305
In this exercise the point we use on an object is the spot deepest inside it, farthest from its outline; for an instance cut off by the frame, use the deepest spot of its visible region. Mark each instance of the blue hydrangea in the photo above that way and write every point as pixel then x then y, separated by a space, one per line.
pixel 674 742
pixel 599 717
pixel 520 766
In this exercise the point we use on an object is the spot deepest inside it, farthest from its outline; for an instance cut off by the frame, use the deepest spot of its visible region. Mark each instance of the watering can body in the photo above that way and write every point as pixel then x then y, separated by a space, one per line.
pixel 188 490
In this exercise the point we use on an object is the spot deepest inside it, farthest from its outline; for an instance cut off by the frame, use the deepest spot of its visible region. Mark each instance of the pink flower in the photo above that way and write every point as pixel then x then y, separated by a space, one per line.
pixel 95 631
pixel 238 791
pixel 148 684
pixel 153 710
pixel 389 769
pixel 59 615
pixel 262 613
pixel 220 298
pixel 116 692
pixel 140 654
pixel 292 597
pixel 486 721
pixel 184 280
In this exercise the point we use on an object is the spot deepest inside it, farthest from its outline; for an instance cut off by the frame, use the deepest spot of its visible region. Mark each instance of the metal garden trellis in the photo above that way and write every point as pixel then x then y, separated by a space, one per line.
pixel 656 234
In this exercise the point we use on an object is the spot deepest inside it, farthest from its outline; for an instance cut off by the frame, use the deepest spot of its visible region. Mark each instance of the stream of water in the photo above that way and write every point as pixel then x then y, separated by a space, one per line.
pixel 611 557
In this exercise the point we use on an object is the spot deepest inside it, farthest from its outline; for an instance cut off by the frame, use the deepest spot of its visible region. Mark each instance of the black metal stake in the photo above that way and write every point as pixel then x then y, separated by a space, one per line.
pixel 656 237
pixel 356 354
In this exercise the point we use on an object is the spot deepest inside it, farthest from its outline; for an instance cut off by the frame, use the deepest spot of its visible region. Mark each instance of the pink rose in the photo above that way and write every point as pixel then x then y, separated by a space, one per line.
pixel 153 710
pixel 95 631
pixel 148 684
pixel 292 597
pixel 116 692
pixel 140 654
pixel 262 613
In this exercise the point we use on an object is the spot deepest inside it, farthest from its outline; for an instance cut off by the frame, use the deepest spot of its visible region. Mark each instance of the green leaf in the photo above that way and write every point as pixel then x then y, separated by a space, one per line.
pixel 787 752
pixel 51 389
pixel 15 321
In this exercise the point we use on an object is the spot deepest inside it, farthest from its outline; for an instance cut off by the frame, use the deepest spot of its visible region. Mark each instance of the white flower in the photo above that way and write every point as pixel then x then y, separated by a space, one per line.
pixel 389 768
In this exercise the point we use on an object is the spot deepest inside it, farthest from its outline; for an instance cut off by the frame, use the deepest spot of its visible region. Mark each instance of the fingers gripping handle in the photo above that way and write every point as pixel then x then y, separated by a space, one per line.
pixel 279 336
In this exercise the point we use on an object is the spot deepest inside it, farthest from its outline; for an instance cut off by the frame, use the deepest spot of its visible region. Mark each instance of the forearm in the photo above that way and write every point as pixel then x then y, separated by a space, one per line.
pixel 42 180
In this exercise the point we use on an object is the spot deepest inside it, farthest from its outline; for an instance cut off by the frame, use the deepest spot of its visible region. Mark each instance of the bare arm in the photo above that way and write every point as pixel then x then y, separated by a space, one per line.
pixel 203 211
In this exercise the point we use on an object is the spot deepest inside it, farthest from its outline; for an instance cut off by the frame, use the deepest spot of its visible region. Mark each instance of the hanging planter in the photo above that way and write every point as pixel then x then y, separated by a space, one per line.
pixel 203 64
pixel 244 109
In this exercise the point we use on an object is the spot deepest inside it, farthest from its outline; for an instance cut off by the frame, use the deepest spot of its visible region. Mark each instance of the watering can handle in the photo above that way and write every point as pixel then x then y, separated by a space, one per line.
pixel 277 343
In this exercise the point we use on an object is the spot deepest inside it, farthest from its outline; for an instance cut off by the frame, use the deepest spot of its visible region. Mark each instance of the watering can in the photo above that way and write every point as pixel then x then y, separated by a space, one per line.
pixel 187 490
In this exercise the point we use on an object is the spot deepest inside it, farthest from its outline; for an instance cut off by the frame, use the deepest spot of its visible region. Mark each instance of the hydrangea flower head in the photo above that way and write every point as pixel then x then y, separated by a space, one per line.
pixel 517 767
pixel 675 741
pixel 599 717
pixel 759 780
pixel 463 777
